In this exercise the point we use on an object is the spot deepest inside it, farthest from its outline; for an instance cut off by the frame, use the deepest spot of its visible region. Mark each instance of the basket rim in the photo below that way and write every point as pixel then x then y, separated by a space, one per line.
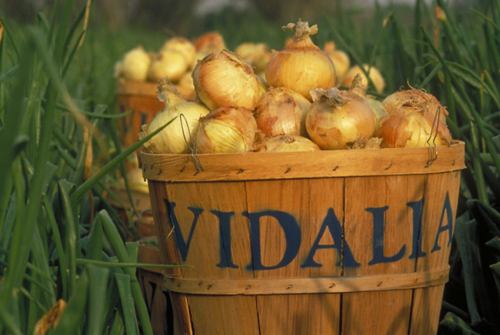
pixel 299 165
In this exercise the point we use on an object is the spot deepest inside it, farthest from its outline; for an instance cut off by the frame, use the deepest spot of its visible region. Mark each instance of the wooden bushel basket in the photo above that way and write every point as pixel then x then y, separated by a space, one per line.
pixel 329 242
pixel 140 100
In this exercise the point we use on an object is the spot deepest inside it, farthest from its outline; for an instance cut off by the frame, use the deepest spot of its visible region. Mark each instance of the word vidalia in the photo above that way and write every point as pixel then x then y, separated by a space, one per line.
pixel 292 234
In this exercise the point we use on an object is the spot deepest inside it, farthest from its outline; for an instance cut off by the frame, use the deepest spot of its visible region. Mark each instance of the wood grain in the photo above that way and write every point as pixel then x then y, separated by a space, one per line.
pixel 308 201
pixel 215 315
pixel 427 301
pixel 318 164
pixel 381 312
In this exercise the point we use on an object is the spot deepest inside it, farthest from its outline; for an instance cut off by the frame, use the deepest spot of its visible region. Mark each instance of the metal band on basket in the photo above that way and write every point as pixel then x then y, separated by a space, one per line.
pixel 307 285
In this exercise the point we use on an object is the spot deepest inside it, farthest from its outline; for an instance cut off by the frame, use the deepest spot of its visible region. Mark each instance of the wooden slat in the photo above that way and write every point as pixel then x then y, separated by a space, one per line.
pixel 427 301
pixel 307 285
pixel 385 312
pixel 215 315
pixel 319 164
pixel 169 255
pixel 132 87
pixel 307 201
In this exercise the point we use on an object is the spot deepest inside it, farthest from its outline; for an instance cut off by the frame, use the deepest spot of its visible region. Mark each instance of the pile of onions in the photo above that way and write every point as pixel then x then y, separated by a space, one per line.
pixel 168 64
pixel 184 46
pixel 223 80
pixel 226 129
pixel 373 73
pixel 176 137
pixel 134 65
pixel 340 60
pixel 415 119
pixel 282 112
pixel 287 143
pixel 301 66
pixel 339 119
pixel 256 54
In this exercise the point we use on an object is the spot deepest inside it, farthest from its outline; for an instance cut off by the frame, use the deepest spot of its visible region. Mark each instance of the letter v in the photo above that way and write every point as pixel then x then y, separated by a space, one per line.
pixel 182 244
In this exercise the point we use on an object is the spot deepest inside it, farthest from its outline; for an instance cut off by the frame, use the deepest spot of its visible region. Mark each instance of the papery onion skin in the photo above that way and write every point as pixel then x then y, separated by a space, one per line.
pixel 210 42
pixel 288 143
pixel 134 65
pixel 176 137
pixel 340 60
pixel 168 64
pixel 226 130
pixel 373 72
pixel 281 111
pixel 412 114
pixel 341 125
pixel 184 46
pixel 169 93
pixel 186 87
pixel 302 66
pixel 223 80
pixel 256 54
pixel 379 110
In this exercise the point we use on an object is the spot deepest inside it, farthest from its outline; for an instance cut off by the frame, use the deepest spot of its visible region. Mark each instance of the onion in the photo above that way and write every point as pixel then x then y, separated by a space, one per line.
pixel 186 87
pixel 412 114
pixel 378 109
pixel 256 54
pixel 287 143
pixel 223 80
pixel 175 137
pixel 226 129
pixel 375 76
pixel 340 60
pixel 301 66
pixel 168 93
pixel 209 42
pixel 168 64
pixel 134 65
pixel 136 181
pixel 282 112
pixel 184 46
pixel 338 119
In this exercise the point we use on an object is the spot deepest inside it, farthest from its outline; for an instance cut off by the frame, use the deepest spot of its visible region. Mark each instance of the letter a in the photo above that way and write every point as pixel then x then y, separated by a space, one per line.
pixel 448 227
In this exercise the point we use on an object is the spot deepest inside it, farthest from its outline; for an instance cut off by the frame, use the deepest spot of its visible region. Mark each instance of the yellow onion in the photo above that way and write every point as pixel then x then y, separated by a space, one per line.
pixel 339 119
pixel 301 66
pixel 184 46
pixel 287 143
pixel 176 137
pixel 168 93
pixel 209 42
pixel 378 109
pixel 134 65
pixel 340 60
pixel 168 64
pixel 416 119
pixel 136 181
pixel 223 80
pixel 373 72
pixel 186 87
pixel 226 129
pixel 256 54
pixel 281 111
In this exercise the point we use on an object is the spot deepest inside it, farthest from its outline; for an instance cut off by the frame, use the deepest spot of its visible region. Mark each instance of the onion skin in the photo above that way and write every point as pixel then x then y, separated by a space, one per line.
pixel 184 46
pixel 411 116
pixel 340 60
pixel 168 64
pixel 338 126
pixel 256 54
pixel 226 130
pixel 186 87
pixel 172 139
pixel 288 143
pixel 134 65
pixel 373 72
pixel 281 111
pixel 379 111
pixel 302 66
pixel 222 80
pixel 209 42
